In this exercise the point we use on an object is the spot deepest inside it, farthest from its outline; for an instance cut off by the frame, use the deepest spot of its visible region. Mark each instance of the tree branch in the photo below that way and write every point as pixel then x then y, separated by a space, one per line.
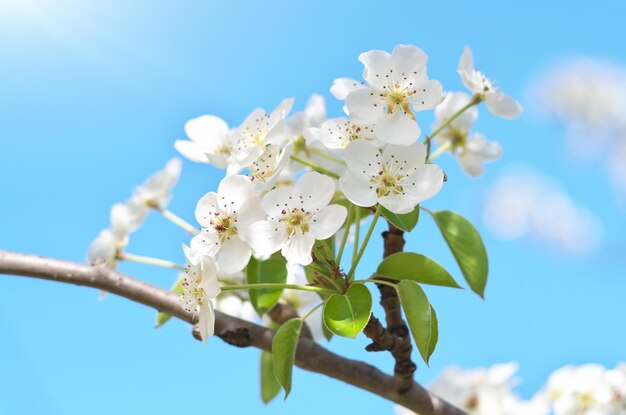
pixel 396 327
pixel 309 356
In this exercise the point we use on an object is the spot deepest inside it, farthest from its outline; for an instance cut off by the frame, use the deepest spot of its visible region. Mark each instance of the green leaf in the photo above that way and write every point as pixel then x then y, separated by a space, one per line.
pixel 272 270
pixel 284 351
pixel 161 317
pixel 420 316
pixel 346 315
pixel 269 385
pixel 466 246
pixel 415 267
pixel 405 222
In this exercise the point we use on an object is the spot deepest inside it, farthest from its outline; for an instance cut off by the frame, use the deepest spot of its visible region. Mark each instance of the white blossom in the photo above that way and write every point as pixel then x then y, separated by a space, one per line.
pixel 259 129
pixel 337 133
pixel 394 176
pixel 397 86
pixel 473 150
pixel 223 216
pixel 313 115
pixel 342 87
pixel 481 391
pixel 497 102
pixel 297 216
pixel 235 304
pixel 156 191
pixel 582 390
pixel 265 170
pixel 106 247
pixel 210 141
pixel 199 287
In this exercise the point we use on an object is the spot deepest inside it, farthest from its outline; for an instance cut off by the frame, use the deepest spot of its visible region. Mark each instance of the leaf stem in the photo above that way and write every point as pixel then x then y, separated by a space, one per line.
pixel 125 256
pixel 276 286
pixel 322 154
pixel 357 228
pixel 391 284
pixel 311 311
pixel 314 166
pixel 365 241
pixel 344 239
pixel 177 220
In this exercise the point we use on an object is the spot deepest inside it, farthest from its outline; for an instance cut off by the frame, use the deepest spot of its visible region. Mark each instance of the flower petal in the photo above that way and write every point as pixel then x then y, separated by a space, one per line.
pixel 192 151
pixel 234 191
pixel 206 321
pixel 206 129
pixel 376 64
pixel 466 63
pixel 425 183
pixel 363 158
pixel 399 204
pixel 298 248
pixel 265 237
pixel 313 191
pixel 429 94
pixel 234 255
pixel 327 221
pixel 207 242
pixel 358 189
pixel 206 208
pixel 343 86
pixel 502 105
pixel 365 105
pixel 397 128
pixel 276 200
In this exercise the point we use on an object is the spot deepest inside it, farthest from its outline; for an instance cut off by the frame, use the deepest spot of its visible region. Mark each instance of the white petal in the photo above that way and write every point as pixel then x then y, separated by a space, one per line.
pixel 399 204
pixel 276 200
pixel 206 208
pixel 233 191
pixel 502 105
pixel 316 110
pixel 192 151
pixel 365 105
pixel 408 159
pixel 407 62
pixel 397 128
pixel 251 211
pixel 429 94
pixel 209 282
pixel 298 248
pixel 358 189
pixel 471 163
pixel 376 66
pixel 234 255
pixel 206 129
pixel 451 105
pixel 327 221
pixel 206 321
pixel 363 158
pixel 343 86
pixel 281 110
pixel 313 191
pixel 265 237
pixel 205 243
pixel 487 150
pixel 425 183
pixel 466 63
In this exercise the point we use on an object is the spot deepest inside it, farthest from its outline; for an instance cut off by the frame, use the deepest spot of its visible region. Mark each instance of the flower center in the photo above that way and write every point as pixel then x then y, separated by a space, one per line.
pixel 397 98
pixel 387 182
pixel 296 219
pixel 224 225
pixel 458 138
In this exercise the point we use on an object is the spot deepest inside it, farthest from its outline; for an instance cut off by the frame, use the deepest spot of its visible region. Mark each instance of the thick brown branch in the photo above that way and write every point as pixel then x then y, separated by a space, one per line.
pixel 404 367
pixel 309 356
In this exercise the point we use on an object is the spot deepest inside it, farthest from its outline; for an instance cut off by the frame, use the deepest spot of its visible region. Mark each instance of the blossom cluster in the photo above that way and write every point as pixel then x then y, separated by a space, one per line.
pixel 289 177
pixel 584 390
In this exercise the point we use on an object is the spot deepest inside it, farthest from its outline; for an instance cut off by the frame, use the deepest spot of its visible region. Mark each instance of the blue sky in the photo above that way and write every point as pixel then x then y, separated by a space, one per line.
pixel 92 96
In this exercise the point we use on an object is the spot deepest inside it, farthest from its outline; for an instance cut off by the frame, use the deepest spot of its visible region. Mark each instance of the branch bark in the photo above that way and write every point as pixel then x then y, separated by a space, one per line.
pixel 309 355
pixel 396 326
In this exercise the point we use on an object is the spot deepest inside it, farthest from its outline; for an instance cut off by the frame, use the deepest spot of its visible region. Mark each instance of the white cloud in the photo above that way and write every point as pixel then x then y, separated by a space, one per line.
pixel 523 203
